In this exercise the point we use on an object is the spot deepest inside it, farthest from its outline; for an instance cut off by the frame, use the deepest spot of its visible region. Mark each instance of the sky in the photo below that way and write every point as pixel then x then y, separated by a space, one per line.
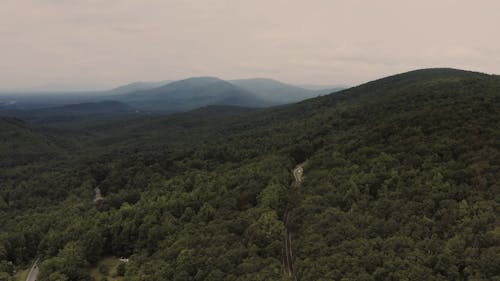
pixel 94 44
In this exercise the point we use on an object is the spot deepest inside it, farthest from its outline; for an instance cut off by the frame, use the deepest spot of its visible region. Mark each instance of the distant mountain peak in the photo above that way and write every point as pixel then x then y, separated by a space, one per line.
pixel 138 86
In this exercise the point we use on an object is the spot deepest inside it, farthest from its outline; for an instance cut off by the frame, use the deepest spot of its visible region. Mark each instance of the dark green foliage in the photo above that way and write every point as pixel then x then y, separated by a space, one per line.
pixel 72 114
pixel 401 183
pixel 120 269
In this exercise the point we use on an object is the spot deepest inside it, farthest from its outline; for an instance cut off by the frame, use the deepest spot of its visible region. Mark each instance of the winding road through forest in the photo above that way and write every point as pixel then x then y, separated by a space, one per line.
pixel 287 245
pixel 33 274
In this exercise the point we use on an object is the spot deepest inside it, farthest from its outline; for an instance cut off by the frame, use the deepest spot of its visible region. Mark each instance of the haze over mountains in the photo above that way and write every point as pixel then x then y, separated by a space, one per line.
pixel 148 140
pixel 163 97
pixel 278 92
pixel 137 86
pixel 192 93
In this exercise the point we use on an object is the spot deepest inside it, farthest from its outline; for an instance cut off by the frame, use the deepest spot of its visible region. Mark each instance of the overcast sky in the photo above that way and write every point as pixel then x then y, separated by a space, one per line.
pixel 104 43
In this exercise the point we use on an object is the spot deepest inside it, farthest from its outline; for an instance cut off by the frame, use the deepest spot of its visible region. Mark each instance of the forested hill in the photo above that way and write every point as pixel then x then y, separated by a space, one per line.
pixel 21 143
pixel 76 114
pixel 401 182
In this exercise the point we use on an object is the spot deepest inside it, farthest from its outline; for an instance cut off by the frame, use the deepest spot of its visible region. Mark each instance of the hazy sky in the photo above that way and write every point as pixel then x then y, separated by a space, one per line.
pixel 104 43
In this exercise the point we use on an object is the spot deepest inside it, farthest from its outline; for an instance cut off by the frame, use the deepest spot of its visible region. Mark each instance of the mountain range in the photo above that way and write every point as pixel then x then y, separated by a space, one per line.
pixel 167 97
pixel 394 179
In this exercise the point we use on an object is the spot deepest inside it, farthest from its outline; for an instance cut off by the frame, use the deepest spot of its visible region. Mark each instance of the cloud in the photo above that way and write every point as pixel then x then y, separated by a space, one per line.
pixel 106 43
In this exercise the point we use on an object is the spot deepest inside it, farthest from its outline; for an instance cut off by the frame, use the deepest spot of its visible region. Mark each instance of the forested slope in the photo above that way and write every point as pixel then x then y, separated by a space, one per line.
pixel 21 143
pixel 401 182
pixel 410 190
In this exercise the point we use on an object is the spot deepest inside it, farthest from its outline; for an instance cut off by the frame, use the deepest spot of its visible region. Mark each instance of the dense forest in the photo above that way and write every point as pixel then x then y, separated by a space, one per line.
pixel 401 182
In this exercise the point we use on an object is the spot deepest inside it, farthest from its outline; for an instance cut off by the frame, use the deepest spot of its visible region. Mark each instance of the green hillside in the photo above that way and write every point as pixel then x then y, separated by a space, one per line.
pixel 76 115
pixel 21 143
pixel 401 182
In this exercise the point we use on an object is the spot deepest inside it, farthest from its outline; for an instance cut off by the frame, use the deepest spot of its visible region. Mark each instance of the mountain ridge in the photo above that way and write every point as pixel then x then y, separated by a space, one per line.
pixel 191 93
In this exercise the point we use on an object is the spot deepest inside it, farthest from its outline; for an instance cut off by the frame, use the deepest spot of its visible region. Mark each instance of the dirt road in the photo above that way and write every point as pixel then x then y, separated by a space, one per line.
pixel 287 246
pixel 298 173
pixel 32 276
pixel 98 194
